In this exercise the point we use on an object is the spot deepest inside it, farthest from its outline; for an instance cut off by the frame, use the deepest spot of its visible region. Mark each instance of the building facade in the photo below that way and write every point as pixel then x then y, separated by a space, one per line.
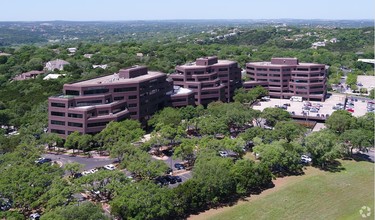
pixel 87 106
pixel 287 77
pixel 209 78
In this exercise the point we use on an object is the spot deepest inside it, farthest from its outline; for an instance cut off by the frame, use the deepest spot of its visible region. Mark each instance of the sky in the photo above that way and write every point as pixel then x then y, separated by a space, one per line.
pixel 104 10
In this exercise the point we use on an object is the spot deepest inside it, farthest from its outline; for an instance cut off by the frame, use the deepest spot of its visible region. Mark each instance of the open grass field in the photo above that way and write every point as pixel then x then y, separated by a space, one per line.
pixel 315 195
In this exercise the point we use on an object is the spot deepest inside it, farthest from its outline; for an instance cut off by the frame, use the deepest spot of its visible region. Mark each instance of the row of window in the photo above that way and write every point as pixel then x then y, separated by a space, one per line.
pixel 71 124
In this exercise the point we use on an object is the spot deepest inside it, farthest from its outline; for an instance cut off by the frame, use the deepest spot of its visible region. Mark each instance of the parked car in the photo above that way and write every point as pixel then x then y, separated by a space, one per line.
pixel 223 153
pixel 43 160
pixel 169 170
pixel 77 175
pixel 86 172
pixel 305 159
pixel 110 167
pixel 350 110
pixel 160 180
pixel 35 216
pixel 179 166
pixel 93 170
pixel 178 179
pixel 314 110
pixel 170 179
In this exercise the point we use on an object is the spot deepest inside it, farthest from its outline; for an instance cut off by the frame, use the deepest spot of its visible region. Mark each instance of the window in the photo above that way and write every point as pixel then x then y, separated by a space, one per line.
pixel 94 91
pixel 223 75
pixel 274 70
pixel 118 98
pixel 54 122
pixel 261 69
pixel 58 105
pixel 302 69
pixel 56 131
pixel 89 103
pixel 133 97
pixel 178 80
pixel 250 68
pixel 193 87
pixel 198 72
pixel 73 115
pixel 74 124
pixel 223 69
pixel 71 92
pixel 61 114
pixel 179 100
pixel 261 74
pixel 133 113
pixel 132 105
pixel 126 89
pixel 97 124
pixel 104 112
pixel 314 69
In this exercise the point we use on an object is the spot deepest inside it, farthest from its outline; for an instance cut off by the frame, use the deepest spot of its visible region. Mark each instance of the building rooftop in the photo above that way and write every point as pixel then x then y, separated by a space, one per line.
pixel 116 79
pixel 220 62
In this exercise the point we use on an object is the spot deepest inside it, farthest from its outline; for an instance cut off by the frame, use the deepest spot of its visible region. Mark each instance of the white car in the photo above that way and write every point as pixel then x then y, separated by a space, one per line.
pixel 93 170
pixel 305 159
pixel 110 167
pixel 223 153
pixel 85 173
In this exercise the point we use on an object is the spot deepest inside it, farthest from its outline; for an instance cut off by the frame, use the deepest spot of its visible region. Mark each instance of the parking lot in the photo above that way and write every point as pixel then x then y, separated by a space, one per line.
pixel 316 109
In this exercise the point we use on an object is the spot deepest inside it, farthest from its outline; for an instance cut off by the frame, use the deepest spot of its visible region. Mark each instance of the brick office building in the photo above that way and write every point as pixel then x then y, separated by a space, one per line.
pixel 287 77
pixel 135 93
pixel 209 78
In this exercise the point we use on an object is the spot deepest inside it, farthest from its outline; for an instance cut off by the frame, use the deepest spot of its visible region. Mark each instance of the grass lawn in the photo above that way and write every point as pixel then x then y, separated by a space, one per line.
pixel 316 195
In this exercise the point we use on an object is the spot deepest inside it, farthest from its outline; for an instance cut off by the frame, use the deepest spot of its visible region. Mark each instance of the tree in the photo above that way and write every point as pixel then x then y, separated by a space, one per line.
pixel 22 180
pixel 273 115
pixel 243 96
pixel 142 165
pixel 215 175
pixel 357 138
pixel 73 168
pixel 281 157
pixel 84 211
pixel 51 139
pixel 143 200
pixel 251 133
pixel 289 130
pixel 340 121
pixel 323 147
pixel 166 117
pixel 72 140
pixel 372 94
pixel 366 121
pixel 126 131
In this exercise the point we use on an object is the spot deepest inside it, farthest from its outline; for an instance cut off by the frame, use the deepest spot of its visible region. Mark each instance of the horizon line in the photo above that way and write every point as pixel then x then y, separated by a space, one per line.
pixel 200 19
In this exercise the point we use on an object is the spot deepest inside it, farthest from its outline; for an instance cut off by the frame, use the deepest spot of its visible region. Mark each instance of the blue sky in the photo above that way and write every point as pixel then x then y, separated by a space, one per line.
pixel 93 10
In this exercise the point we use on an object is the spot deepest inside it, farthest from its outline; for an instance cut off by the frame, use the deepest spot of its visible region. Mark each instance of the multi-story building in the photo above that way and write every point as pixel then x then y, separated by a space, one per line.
pixel 87 106
pixel 209 78
pixel 287 77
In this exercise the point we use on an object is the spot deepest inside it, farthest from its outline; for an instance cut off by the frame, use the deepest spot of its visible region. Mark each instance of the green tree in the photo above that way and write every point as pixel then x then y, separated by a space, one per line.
pixel 372 94
pixel 73 168
pixel 215 174
pixel 84 211
pixel 357 139
pixel 126 131
pixel 323 147
pixel 273 115
pixel 143 200
pixel 289 130
pixel 281 157
pixel 340 121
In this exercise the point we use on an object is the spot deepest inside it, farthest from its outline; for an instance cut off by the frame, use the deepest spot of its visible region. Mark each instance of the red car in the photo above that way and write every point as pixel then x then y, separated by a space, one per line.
pixel 350 110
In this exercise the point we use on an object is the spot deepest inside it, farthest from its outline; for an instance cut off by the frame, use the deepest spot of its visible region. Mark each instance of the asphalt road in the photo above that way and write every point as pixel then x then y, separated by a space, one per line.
pixel 89 163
